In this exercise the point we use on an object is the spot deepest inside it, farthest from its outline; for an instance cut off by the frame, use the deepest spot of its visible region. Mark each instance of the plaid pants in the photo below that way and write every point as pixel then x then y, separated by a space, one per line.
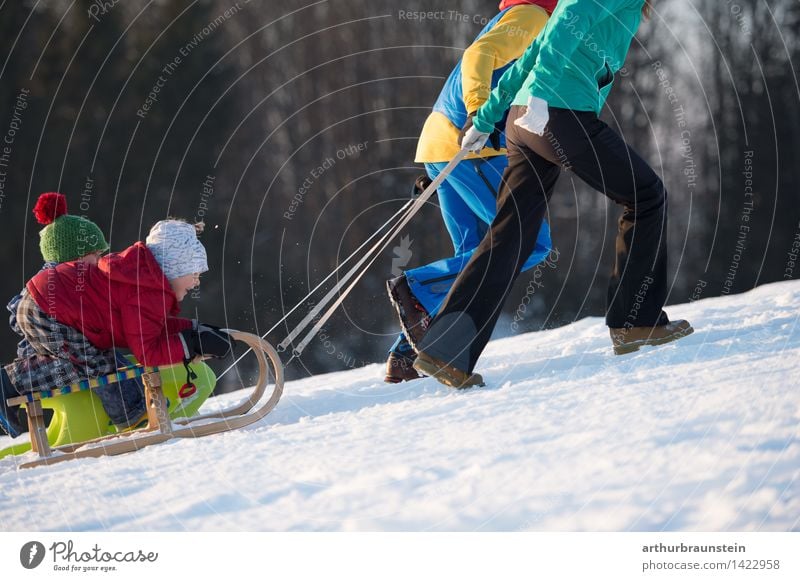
pixel 57 355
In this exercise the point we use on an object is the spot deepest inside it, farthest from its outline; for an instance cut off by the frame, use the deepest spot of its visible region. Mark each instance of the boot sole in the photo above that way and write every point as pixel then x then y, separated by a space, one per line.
pixel 442 375
pixel 399 368
pixel 636 345
pixel 413 334
pixel 395 379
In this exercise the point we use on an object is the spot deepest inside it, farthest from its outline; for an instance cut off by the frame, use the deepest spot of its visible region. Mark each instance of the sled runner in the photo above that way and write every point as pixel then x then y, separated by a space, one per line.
pixel 81 417
pixel 80 428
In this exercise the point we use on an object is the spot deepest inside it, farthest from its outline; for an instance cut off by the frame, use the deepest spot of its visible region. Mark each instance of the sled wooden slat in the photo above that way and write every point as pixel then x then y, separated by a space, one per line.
pixel 86 384
pixel 160 428
pixel 157 414
pixel 37 429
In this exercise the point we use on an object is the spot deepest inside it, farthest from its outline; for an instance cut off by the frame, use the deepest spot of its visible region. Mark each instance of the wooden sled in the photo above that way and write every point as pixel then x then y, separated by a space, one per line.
pixel 78 415
pixel 160 428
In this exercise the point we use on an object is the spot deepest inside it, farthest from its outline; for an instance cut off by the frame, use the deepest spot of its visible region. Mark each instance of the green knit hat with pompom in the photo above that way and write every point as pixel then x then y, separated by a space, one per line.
pixel 65 237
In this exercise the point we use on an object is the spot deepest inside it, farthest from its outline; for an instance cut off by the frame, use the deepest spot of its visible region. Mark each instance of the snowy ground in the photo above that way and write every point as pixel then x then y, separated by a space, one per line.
pixel 701 434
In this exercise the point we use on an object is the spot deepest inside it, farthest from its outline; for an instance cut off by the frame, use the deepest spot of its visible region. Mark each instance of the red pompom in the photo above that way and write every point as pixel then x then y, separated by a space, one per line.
pixel 50 206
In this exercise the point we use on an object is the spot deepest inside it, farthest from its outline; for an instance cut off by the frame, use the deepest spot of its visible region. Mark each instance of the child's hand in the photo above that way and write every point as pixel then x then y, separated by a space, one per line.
pixel 208 341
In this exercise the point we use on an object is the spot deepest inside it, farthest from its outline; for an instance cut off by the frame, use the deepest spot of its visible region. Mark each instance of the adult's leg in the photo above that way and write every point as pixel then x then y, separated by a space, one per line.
pixel 467 201
pixel 476 188
pixel 461 330
pixel 464 201
pixel 490 170
pixel 465 228
pixel 598 155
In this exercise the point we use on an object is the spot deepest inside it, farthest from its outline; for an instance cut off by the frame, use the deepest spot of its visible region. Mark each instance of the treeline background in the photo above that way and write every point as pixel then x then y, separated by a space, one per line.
pixel 256 130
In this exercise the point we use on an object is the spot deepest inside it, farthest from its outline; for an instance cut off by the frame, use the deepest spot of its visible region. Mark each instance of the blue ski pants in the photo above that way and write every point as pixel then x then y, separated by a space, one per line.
pixel 468 202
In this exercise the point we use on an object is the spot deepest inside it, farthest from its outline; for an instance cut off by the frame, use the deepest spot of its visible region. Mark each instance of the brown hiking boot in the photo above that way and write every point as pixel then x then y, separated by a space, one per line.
pixel 400 367
pixel 446 374
pixel 414 319
pixel 628 340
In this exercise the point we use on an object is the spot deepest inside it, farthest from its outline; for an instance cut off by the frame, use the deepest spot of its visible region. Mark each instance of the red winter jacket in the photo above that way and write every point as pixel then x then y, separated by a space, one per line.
pixel 124 301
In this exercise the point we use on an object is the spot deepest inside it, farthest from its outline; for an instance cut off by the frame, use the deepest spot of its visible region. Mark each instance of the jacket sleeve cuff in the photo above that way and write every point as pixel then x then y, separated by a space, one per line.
pixel 482 125
pixel 178 324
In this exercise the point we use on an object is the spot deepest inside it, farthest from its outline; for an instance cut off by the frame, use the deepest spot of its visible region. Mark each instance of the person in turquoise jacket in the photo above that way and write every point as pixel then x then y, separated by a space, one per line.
pixel 556 91
pixel 468 197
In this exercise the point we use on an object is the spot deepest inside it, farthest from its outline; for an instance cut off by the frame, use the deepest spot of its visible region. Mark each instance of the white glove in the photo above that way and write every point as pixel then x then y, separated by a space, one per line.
pixel 536 116
pixel 474 140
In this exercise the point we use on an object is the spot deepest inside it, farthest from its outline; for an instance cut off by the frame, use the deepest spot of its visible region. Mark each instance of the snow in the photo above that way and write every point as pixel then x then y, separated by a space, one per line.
pixel 700 434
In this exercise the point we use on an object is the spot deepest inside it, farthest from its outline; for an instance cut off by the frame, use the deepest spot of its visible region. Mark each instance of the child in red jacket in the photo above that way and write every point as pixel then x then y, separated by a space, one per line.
pixel 64 238
pixel 75 317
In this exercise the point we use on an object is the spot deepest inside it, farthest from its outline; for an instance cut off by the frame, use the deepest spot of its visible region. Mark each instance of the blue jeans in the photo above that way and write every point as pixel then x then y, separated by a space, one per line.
pixel 469 205
pixel 10 421
pixel 124 402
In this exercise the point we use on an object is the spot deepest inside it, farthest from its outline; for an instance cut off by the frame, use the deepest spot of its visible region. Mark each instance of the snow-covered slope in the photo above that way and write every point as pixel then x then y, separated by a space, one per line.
pixel 701 434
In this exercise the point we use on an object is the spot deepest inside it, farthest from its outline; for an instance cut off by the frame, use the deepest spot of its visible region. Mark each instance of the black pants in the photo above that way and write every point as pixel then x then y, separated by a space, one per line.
pixel 584 144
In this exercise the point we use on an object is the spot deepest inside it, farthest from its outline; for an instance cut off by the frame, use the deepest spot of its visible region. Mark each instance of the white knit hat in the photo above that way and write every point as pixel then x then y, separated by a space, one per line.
pixel 176 248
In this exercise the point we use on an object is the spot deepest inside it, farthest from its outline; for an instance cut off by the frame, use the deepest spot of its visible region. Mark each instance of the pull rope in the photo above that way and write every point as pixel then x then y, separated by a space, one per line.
pixel 406 213
pixel 388 222
pixel 379 247
pixel 332 293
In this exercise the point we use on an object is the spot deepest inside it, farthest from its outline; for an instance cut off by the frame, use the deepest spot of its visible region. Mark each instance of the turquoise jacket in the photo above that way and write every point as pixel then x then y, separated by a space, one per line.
pixel 572 64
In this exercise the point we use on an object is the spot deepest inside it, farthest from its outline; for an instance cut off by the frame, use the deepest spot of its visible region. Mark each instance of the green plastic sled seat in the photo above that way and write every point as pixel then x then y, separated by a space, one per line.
pixel 79 416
